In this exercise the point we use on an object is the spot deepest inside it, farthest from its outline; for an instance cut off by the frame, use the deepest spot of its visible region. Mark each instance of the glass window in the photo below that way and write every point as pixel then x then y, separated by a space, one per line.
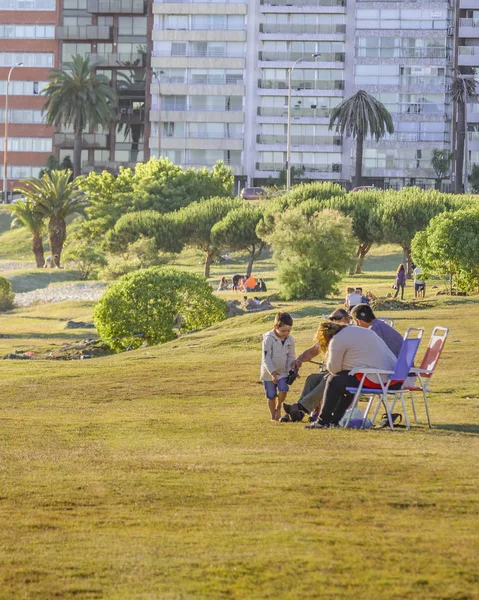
pixel 29 4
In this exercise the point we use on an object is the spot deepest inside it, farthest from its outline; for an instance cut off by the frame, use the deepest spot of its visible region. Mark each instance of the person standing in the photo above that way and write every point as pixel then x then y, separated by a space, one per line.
pixel 400 282
pixel 278 356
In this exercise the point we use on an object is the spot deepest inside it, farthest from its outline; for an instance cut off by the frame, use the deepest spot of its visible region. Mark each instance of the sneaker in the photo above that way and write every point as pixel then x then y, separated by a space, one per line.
pixel 318 425
pixel 285 419
pixel 293 411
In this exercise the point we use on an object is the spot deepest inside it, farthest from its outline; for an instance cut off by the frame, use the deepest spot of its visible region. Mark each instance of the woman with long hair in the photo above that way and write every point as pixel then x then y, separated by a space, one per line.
pixel 400 281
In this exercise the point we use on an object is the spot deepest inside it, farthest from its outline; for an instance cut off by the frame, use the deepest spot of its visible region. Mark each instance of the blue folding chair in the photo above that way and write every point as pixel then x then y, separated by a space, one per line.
pixel 402 368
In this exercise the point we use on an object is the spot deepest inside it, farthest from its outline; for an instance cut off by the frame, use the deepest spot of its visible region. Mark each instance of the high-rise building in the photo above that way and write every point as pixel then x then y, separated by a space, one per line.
pixel 221 91
pixel 468 64
pixel 27 43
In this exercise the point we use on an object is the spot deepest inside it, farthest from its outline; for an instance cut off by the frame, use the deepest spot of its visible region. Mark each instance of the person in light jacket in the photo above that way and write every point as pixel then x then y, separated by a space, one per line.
pixel 277 358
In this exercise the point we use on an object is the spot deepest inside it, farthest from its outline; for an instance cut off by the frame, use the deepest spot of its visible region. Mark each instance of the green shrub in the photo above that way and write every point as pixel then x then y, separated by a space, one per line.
pixel 6 295
pixel 139 255
pixel 87 257
pixel 144 306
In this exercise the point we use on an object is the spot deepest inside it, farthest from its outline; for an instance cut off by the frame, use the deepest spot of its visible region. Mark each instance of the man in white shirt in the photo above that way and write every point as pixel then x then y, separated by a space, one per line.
pixel 419 283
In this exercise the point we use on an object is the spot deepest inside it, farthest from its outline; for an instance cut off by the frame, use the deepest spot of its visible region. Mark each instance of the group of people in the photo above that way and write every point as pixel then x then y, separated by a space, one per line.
pixel 400 281
pixel 355 296
pixel 239 283
pixel 347 349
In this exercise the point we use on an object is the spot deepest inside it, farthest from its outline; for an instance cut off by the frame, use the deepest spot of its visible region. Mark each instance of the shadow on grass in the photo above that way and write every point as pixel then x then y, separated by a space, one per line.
pixel 33 280
pixel 80 335
pixel 459 428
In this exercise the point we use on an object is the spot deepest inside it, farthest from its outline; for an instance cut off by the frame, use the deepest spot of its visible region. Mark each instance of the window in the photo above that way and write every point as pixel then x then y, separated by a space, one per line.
pixel 217 22
pixel 29 59
pixel 29 4
pixel 21 171
pixel 131 25
pixel 69 50
pixel 27 144
pixel 176 22
pixel 22 88
pixel 27 31
pixel 22 116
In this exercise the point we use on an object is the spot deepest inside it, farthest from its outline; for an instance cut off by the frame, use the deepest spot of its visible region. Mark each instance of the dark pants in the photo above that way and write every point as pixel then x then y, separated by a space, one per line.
pixel 336 399
pixel 397 292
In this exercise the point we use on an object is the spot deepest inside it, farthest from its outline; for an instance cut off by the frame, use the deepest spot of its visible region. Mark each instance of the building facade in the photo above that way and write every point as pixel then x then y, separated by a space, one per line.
pixel 27 38
pixel 199 82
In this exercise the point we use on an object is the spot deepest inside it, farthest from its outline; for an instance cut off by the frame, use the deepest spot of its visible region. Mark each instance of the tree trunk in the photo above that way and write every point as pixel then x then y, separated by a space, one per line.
pixel 210 256
pixel 57 232
pixel 359 160
pixel 438 184
pixel 407 260
pixel 361 253
pixel 77 147
pixel 461 137
pixel 38 251
pixel 252 256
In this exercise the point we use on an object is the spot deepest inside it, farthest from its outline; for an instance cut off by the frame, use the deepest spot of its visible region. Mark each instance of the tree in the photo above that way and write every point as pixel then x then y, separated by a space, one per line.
pixel 364 209
pixel 359 116
pixel 441 163
pixel 197 220
pixel 54 165
pixel 461 90
pixel 55 197
pixel 474 179
pixel 237 231
pixel 449 246
pixel 408 211
pixel 312 252
pixel 7 297
pixel 143 307
pixel 25 214
pixel 163 229
pixel 78 97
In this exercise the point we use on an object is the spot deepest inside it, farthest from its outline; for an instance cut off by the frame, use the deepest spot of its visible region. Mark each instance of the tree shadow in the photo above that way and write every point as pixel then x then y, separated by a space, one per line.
pixel 459 428
pixel 27 282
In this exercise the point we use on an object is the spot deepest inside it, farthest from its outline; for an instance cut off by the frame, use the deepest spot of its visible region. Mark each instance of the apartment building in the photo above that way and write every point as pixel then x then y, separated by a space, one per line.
pixel 114 34
pixel 27 38
pixel 221 84
pixel 468 62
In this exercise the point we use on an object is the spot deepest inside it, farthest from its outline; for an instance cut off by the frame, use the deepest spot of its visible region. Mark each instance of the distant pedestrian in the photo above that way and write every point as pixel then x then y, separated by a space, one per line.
pixel 400 282
pixel 419 283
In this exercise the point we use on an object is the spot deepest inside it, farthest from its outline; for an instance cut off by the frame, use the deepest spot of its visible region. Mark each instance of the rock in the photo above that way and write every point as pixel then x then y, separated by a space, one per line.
pixel 79 325
pixel 233 309
pixel 16 357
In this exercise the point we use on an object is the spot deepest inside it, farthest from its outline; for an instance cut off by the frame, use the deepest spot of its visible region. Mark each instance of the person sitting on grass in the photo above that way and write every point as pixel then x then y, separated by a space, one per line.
pixel 352 298
pixel 364 299
pixel 277 358
pixel 224 285
pixel 364 317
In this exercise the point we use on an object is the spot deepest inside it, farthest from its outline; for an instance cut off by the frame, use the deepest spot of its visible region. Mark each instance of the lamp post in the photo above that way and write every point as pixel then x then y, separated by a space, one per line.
pixel 288 131
pixel 5 146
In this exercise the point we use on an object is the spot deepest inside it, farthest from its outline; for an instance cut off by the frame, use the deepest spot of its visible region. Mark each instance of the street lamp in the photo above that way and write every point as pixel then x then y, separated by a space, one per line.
pixel 5 148
pixel 158 79
pixel 288 132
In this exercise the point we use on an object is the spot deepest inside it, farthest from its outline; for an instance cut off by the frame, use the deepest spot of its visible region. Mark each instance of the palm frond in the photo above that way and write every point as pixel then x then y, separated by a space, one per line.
pixel 363 115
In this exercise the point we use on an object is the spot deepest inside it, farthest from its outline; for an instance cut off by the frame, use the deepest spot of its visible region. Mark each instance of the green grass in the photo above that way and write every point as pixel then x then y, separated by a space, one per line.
pixel 157 473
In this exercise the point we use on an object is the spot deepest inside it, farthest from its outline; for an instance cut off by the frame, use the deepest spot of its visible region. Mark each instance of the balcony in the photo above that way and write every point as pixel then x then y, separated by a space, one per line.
pixel 278 84
pixel 433 52
pixel 130 115
pixel 300 140
pixel 469 28
pixel 397 167
pixel 300 3
pixel 320 168
pixel 278 111
pixel 203 1
pixel 468 56
pixel 424 81
pixel 208 53
pixel 167 106
pixel 84 32
pixel 295 28
pixel 123 7
pixel 416 136
pixel 468 4
pixel 203 80
pixel 292 56
pixel 119 60
pixel 89 140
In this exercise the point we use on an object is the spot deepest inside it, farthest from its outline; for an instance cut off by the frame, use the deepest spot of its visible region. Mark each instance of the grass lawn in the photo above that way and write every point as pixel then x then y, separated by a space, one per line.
pixel 157 473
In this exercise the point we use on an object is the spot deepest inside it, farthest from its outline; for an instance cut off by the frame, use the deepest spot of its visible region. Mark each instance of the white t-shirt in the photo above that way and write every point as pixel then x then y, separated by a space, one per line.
pixel 416 273
pixel 353 299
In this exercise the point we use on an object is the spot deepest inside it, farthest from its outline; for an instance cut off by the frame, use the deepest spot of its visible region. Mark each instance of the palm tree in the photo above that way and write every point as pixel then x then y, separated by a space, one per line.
pixel 461 90
pixel 55 197
pixel 25 214
pixel 78 97
pixel 360 116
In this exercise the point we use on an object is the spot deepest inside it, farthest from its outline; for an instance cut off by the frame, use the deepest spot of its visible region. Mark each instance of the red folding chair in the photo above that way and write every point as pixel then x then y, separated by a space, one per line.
pixel 425 371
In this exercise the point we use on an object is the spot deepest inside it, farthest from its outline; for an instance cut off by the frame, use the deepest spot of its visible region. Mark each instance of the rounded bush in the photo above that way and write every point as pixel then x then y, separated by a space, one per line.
pixel 6 295
pixel 144 306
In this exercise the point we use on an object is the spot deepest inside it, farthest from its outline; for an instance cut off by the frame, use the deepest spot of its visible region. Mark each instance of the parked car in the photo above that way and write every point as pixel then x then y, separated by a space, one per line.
pixel 359 188
pixel 253 193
